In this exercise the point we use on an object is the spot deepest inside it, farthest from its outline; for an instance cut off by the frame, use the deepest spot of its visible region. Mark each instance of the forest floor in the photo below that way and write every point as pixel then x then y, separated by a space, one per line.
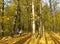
pixel 26 38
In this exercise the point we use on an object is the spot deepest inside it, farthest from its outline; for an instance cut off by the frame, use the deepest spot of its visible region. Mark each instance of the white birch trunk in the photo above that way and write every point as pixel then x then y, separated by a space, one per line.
pixel 33 25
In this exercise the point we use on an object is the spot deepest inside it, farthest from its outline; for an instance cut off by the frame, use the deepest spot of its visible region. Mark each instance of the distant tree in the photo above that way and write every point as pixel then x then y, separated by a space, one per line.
pixel 2 18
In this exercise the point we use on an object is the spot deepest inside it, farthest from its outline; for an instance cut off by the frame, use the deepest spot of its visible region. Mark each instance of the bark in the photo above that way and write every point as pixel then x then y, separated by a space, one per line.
pixel 33 22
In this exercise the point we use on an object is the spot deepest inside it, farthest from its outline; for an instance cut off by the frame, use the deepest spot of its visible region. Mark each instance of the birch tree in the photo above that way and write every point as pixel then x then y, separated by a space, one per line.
pixel 33 22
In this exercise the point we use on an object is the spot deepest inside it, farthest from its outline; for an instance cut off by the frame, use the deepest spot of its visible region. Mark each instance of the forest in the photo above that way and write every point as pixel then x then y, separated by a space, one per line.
pixel 29 21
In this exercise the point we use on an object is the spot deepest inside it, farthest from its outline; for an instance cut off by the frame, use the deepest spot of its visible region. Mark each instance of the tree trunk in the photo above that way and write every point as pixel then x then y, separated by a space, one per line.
pixel 52 20
pixel 41 23
pixel 33 22
pixel 2 17
pixel 18 13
